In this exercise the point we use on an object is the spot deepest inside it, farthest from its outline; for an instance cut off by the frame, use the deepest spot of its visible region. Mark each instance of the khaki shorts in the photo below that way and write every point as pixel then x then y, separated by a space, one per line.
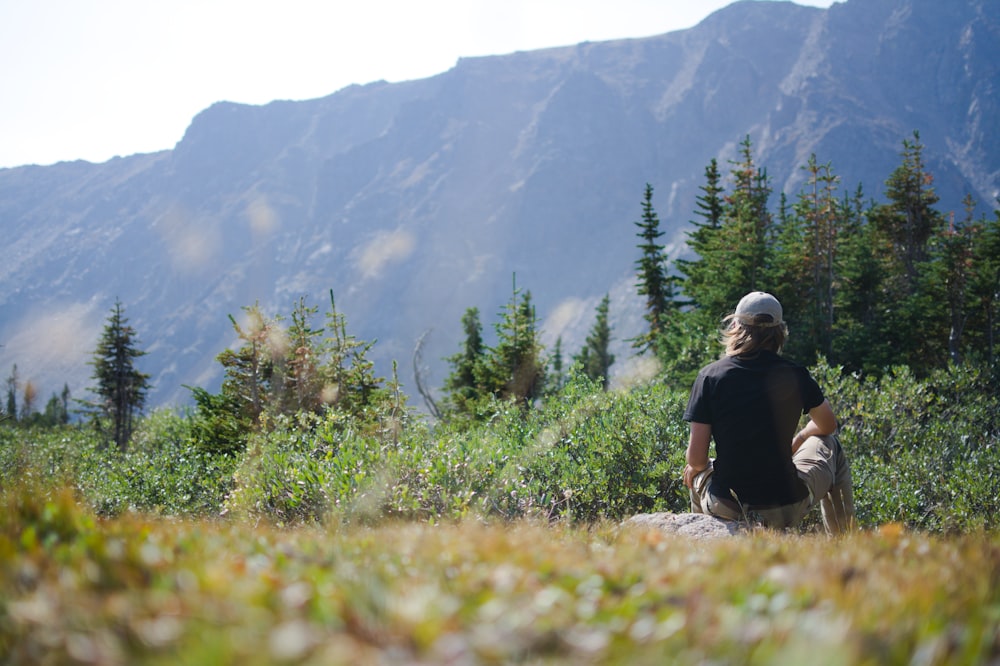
pixel 823 468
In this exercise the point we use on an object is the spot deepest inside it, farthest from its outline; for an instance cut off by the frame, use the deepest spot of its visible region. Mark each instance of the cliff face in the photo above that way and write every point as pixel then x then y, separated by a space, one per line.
pixel 414 201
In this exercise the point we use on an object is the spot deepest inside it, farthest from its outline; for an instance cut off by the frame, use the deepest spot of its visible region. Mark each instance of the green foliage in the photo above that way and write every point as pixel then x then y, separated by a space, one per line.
pixel 121 388
pixel 866 286
pixel 595 359
pixel 924 452
pixel 654 283
pixel 281 373
pixel 161 472
pixel 512 369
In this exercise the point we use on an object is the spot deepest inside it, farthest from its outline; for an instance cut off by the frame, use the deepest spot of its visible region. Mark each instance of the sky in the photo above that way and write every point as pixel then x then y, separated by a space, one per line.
pixel 94 79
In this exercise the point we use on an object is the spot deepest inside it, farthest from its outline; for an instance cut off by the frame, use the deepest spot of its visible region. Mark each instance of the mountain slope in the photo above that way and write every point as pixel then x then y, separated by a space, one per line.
pixel 413 201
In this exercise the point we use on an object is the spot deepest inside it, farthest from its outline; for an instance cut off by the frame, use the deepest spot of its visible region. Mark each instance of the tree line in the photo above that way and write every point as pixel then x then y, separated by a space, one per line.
pixel 865 285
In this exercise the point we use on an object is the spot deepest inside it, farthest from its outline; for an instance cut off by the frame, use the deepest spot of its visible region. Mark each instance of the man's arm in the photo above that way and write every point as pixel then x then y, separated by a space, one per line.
pixel 697 451
pixel 822 421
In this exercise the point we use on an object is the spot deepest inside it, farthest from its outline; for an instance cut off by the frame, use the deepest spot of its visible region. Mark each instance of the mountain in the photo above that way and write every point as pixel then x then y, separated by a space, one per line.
pixel 414 201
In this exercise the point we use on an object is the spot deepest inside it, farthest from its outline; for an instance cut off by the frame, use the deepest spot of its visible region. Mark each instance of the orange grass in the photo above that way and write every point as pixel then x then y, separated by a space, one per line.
pixel 75 589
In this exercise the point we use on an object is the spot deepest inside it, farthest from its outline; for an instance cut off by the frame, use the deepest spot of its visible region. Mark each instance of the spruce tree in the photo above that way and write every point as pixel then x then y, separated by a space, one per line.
pixel 858 343
pixel 462 386
pixel 652 273
pixel 557 379
pixel 121 388
pixel 733 244
pixel 13 385
pixel 595 359
pixel 514 369
pixel 984 288
pixel 300 384
pixel 347 375
pixel 904 227
pixel 805 263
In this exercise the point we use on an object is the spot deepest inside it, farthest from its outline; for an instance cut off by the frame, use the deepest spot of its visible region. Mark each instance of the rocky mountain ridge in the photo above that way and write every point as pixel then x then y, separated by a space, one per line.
pixel 413 201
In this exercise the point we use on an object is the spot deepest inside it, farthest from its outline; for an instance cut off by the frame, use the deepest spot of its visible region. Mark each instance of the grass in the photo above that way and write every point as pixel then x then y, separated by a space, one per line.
pixel 135 590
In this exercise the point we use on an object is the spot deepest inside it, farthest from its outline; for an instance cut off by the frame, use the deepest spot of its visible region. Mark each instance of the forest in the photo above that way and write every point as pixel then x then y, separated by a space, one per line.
pixel 892 306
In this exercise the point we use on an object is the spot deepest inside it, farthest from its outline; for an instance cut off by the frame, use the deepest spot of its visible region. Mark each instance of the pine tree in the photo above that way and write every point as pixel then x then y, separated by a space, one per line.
pixel 13 385
pixel 347 376
pixel 121 388
pixel 300 383
pixel 249 370
pixel 985 288
pixel 595 358
pixel 904 227
pixel 700 274
pixel 64 399
pixel 461 385
pixel 908 220
pixel 514 368
pixel 557 379
pixel 858 343
pixel 652 272
pixel 805 263
pixel 732 245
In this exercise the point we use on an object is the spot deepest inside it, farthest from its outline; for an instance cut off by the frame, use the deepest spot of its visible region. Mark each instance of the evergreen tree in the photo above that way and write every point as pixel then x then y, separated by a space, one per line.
pixel 13 385
pixel 557 379
pixel 64 399
pixel 651 268
pixel 462 386
pixel 805 263
pixel 595 359
pixel 903 230
pixel 298 367
pixel 747 228
pixel 54 414
pixel 347 376
pixel 908 220
pixel 858 343
pixel 699 276
pixel 121 388
pixel 514 368
pixel 249 370
pixel 985 285
pixel 732 245
pixel 652 272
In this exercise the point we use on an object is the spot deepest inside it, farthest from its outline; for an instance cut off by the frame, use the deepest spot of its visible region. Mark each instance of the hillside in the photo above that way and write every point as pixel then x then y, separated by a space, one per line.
pixel 413 201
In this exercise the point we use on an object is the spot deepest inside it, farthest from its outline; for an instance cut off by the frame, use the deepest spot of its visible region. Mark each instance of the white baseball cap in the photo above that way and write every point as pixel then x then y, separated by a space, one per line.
pixel 758 303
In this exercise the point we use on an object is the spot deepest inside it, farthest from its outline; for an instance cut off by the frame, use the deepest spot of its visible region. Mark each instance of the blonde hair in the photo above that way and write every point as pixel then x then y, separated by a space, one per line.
pixel 740 337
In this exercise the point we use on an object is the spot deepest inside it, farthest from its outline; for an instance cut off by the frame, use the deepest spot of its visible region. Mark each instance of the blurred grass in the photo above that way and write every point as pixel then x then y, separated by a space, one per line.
pixel 75 588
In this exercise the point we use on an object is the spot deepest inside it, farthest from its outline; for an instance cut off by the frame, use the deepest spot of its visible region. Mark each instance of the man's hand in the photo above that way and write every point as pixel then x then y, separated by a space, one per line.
pixel 691 472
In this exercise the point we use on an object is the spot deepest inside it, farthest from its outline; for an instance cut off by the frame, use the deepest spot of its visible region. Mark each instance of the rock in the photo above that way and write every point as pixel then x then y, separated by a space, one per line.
pixel 694 525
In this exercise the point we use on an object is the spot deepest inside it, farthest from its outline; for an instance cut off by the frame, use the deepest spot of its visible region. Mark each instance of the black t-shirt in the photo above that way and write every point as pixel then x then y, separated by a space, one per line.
pixel 753 405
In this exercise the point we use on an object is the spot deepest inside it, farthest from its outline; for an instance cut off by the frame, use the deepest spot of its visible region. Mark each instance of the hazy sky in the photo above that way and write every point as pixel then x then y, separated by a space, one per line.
pixel 91 79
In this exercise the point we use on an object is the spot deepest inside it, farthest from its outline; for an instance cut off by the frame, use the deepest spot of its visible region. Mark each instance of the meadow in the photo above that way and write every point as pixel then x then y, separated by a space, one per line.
pixel 140 590
pixel 333 542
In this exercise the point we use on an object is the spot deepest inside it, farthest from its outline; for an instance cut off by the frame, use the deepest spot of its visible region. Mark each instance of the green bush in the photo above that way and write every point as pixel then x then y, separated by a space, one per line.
pixel 924 452
pixel 161 472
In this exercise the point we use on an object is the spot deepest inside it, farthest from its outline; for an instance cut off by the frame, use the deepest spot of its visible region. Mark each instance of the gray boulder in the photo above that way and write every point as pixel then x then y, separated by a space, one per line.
pixel 694 525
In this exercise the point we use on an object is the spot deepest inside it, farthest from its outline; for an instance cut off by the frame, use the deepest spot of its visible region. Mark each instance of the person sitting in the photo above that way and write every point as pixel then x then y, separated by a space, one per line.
pixel 751 402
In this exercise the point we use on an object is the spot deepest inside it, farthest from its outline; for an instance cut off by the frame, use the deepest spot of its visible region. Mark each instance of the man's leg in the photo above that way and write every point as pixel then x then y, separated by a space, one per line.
pixel 702 501
pixel 699 489
pixel 823 467
pixel 838 505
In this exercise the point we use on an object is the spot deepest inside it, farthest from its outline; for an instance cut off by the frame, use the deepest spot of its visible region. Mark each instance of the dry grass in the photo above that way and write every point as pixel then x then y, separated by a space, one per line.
pixel 134 590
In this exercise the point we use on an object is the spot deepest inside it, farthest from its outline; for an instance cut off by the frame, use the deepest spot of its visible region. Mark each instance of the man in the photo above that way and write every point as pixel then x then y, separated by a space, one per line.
pixel 751 401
